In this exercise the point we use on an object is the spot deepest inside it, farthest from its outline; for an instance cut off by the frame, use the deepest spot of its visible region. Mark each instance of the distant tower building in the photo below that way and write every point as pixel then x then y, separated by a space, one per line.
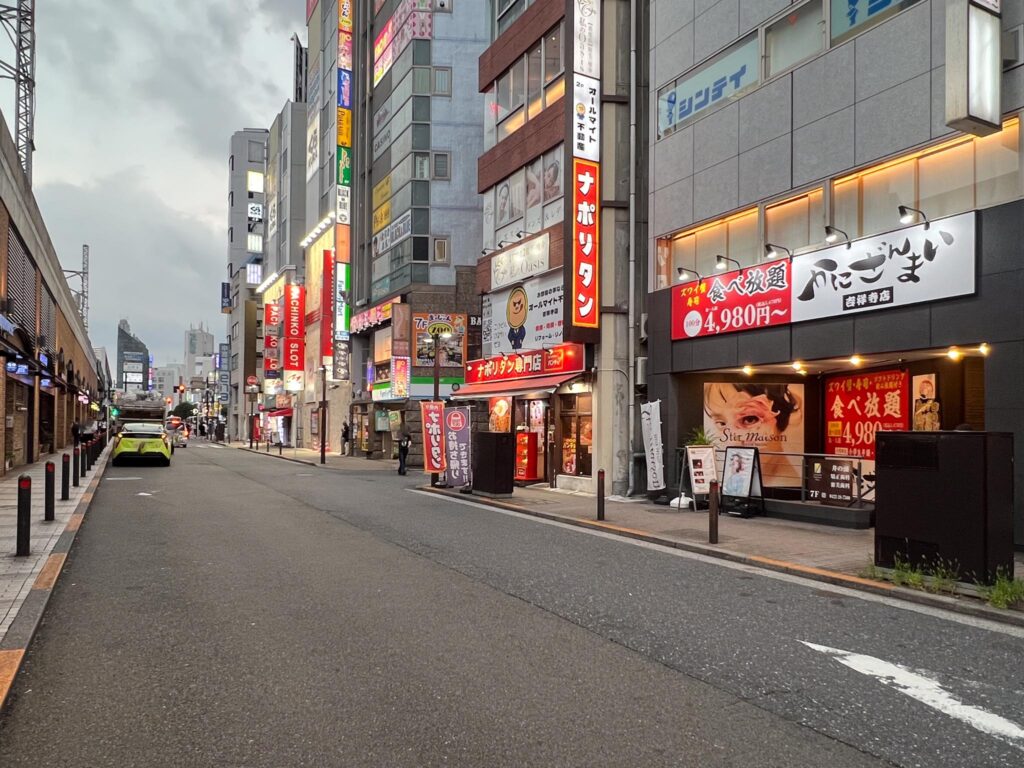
pixel 133 360
pixel 198 350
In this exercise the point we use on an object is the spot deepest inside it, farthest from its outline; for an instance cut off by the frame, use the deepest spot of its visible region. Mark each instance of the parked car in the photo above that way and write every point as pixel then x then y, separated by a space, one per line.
pixel 142 441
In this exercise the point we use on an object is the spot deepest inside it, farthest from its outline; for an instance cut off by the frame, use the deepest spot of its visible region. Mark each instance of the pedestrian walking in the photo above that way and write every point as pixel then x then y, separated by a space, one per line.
pixel 346 436
pixel 404 441
pixel 76 432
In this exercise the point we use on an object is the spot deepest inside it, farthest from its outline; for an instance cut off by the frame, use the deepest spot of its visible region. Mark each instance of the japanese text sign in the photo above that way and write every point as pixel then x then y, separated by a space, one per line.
pixel 457 442
pixel 272 317
pixel 755 297
pixel 721 79
pixel 586 204
pixel 587 37
pixel 434 459
pixel 586 118
pixel 294 328
pixel 920 263
pixel 563 359
pixel 858 406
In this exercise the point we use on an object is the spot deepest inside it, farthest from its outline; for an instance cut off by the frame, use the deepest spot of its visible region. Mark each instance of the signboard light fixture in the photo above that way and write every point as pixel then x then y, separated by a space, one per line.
pixel 772 250
pixel 682 272
pixel 907 215
pixel 720 262
pixel 832 235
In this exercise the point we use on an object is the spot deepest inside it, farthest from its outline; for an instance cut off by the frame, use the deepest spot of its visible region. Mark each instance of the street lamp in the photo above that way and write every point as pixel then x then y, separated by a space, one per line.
pixel 435 340
pixel 323 414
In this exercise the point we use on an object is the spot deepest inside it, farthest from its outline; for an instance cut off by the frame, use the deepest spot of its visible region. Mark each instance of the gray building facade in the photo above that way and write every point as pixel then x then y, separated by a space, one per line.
pixel 772 121
pixel 134 363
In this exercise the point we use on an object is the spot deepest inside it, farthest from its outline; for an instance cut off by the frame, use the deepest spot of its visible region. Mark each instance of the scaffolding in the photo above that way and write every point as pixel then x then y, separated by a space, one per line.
pixel 82 295
pixel 18 20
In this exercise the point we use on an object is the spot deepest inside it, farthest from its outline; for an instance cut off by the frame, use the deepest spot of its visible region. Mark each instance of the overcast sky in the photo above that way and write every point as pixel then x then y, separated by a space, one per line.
pixel 136 101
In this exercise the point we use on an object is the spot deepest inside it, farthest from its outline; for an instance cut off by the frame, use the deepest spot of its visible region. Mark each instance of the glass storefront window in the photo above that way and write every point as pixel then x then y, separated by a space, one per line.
pixel 796 36
pixel 553 61
pixel 946 179
pixel 534 95
pixel 882 192
pixel 577 435
pixel 997 166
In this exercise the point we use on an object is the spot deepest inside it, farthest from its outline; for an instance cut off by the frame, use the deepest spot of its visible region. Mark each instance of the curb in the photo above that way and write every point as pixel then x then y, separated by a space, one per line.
pixel 836 578
pixel 19 636
pixel 274 456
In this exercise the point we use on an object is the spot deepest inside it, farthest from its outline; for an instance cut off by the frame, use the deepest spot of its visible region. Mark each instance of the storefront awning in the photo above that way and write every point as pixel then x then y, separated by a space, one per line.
pixel 540 385
pixel 280 412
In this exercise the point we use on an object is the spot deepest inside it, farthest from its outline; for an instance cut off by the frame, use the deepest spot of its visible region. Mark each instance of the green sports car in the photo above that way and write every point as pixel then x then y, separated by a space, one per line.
pixel 142 441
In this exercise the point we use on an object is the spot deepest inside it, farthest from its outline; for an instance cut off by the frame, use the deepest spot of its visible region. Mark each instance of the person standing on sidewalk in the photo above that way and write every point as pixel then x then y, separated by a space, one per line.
pixel 346 436
pixel 404 441
pixel 76 432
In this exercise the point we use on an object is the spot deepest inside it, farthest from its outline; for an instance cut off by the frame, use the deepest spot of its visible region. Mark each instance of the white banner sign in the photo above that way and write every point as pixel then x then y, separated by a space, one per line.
pixel 926 262
pixel 701 461
pixel 523 261
pixel 344 208
pixel 586 118
pixel 650 424
pixel 587 37
pixel 393 234
pixel 525 317
pixel 313 143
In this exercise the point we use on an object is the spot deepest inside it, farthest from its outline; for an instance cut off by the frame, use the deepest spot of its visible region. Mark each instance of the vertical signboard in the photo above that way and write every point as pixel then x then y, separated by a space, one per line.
pixel 271 340
pixel 336 311
pixel 225 298
pixel 327 310
pixel 432 413
pixel 583 279
pixel 293 342
pixel 457 437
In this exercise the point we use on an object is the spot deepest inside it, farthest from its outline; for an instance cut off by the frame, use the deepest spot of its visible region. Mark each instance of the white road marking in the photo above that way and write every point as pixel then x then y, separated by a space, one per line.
pixel 819 586
pixel 142 493
pixel 928 692
pixel 112 479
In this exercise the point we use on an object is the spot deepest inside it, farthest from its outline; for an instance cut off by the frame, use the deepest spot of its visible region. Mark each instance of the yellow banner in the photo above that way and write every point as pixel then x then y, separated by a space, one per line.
pixel 344 127
pixel 381 217
pixel 382 192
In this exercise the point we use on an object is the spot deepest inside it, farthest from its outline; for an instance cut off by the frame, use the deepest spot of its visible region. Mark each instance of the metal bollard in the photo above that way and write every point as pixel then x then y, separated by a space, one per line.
pixel 48 487
pixel 84 456
pixel 24 515
pixel 600 494
pixel 76 465
pixel 65 477
pixel 713 513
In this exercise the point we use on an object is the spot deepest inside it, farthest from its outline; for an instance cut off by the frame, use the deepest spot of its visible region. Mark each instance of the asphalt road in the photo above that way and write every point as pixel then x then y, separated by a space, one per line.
pixel 240 610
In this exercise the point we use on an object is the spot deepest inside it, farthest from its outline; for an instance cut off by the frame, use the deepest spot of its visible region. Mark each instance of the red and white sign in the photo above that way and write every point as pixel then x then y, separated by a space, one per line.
pixel 858 406
pixel 563 359
pixel 432 413
pixel 755 297
pixel 271 339
pixel 294 355
pixel 327 308
pixel 586 206
pixel 251 381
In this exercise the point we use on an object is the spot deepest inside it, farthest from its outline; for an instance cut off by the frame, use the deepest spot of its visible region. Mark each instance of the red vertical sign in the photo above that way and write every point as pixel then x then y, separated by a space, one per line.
pixel 327 308
pixel 434 459
pixel 586 206
pixel 271 339
pixel 858 406
pixel 294 328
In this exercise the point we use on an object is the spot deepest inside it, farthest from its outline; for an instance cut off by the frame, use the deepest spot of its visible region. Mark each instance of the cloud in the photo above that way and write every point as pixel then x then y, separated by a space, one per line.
pixel 148 262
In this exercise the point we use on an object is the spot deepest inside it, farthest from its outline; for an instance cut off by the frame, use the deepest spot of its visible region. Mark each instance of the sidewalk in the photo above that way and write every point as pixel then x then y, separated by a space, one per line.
pixel 26 582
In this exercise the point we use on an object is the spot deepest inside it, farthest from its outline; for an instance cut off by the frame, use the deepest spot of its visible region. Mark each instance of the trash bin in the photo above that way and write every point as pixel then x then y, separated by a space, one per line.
pixel 948 496
pixel 493 463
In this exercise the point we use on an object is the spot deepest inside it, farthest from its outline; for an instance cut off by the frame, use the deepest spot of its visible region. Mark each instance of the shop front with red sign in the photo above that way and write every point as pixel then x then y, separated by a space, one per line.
pixel 755 297
pixel 293 347
pixel 859 406
pixel 536 395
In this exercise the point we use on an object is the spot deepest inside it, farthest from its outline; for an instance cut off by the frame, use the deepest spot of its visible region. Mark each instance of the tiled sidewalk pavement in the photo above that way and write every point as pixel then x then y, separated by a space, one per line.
pixel 18 574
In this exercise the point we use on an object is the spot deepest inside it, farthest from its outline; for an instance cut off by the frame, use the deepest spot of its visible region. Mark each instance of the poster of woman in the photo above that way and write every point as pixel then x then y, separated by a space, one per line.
pixel 739 470
pixel 769 417
pixel 927 409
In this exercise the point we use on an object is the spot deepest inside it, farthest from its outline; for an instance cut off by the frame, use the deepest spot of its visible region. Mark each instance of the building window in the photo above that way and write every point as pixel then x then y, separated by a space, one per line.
pixel 955 176
pixel 231 234
pixel 231 163
pixel 234 330
pixel 441 250
pixel 506 12
pixel 254 243
pixel 851 17
pixel 254 182
pixel 796 36
pixel 254 274
pixel 442 81
pixel 796 223
pixel 533 82
pixel 442 165
pixel 528 200
pixel 698 249
pixel 231 199
pixel 257 150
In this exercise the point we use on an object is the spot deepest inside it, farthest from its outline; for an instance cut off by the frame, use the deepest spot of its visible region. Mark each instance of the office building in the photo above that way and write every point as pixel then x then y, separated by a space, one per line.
pixel 134 363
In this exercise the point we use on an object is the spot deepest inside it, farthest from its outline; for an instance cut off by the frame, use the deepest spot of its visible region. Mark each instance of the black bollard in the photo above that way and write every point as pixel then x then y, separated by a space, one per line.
pixel 713 514
pixel 83 457
pixel 600 494
pixel 76 465
pixel 65 477
pixel 48 487
pixel 24 514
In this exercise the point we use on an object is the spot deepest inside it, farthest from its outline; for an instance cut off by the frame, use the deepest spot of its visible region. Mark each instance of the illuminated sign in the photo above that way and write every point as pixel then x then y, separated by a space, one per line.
pixel 585 280
pixel 294 328
pixel 381 217
pixel 974 67
pixel 587 37
pixel 372 317
pixel 271 340
pixel 518 263
pixel 344 127
pixel 563 359
pixel 382 191
pixel 344 88
pixel 586 118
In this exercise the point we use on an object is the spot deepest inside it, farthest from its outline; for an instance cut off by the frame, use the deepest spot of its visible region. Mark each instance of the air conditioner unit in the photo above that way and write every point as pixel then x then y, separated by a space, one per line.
pixel 640 378
pixel 643 326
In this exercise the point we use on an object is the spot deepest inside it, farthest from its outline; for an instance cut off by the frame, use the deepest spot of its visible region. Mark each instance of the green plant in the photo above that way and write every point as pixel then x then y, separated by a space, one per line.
pixel 871 571
pixel 1005 592
pixel 904 573
pixel 944 577
pixel 699 436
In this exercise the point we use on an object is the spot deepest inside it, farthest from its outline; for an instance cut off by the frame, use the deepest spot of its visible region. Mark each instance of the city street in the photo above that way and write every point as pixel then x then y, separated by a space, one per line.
pixel 238 610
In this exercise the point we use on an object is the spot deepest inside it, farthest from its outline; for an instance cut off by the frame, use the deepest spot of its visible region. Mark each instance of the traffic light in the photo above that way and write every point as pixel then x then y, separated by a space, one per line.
pixel 114 413
pixel 181 389
pixel 168 400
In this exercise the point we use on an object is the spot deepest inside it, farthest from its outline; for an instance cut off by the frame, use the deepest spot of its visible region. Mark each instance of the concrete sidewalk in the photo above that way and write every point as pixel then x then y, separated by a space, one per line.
pixel 26 582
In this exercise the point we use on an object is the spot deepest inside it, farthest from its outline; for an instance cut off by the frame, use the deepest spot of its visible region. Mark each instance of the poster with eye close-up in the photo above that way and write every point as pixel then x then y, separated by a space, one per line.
pixel 769 417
